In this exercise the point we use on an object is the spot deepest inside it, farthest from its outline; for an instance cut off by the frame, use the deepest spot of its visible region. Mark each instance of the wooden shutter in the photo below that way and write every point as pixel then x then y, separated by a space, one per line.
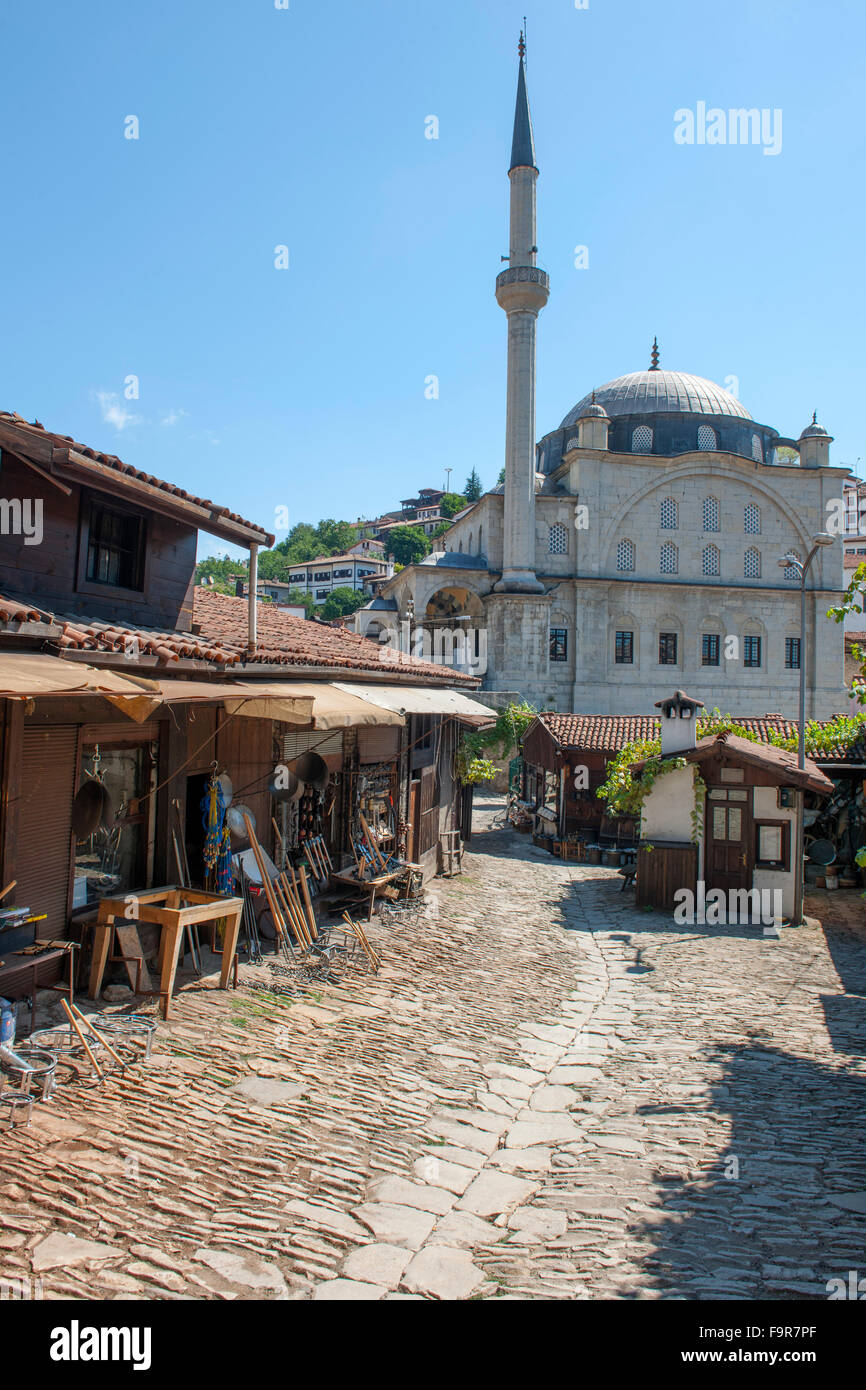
pixel 44 862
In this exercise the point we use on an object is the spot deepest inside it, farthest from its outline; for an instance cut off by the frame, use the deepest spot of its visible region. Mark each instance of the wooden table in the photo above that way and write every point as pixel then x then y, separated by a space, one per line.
pixel 365 885
pixel 173 909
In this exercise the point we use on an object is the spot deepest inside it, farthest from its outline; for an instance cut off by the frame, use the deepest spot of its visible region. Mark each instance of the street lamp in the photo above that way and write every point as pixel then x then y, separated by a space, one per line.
pixel 802 568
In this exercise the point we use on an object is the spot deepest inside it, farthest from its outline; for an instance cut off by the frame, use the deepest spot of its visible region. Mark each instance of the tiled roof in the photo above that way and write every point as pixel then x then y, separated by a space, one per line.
pixel 219 637
pixel 608 733
pixel 287 640
pixel 62 443
pixel 763 755
pixel 11 611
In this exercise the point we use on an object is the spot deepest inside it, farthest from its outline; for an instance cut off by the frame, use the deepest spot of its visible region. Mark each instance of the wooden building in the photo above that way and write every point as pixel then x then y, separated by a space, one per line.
pixel 112 663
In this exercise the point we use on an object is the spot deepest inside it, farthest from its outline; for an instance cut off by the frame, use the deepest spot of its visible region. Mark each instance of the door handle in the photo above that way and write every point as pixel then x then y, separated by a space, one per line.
pixel 743 859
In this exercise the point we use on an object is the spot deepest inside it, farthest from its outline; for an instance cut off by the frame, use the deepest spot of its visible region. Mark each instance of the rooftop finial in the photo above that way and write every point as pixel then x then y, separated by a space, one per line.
pixel 521 47
pixel 593 395
pixel 814 417
pixel 654 361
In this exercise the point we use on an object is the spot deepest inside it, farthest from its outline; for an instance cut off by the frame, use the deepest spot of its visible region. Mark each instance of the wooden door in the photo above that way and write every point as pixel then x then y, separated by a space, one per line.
pixel 729 838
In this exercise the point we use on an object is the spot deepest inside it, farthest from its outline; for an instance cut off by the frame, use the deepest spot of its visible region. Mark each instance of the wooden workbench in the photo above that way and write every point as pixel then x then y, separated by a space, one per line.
pixel 172 909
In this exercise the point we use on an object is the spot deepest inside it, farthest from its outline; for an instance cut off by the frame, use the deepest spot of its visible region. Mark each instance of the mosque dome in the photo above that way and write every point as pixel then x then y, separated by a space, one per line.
pixel 657 392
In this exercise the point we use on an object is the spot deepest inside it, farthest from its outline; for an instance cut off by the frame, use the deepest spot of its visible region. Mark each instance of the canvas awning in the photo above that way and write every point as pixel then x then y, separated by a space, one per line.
pixel 296 706
pixel 32 675
pixel 333 706
pixel 423 699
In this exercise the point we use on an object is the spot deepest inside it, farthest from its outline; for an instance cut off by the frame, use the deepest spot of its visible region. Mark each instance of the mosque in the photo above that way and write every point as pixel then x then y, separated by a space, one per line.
pixel 635 548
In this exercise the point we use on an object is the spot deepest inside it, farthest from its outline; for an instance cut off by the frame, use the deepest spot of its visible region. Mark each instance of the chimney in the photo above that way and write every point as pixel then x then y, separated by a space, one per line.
pixel 679 715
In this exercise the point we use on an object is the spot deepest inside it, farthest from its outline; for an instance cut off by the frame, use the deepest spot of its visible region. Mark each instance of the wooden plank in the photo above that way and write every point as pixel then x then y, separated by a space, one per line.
pixel 127 937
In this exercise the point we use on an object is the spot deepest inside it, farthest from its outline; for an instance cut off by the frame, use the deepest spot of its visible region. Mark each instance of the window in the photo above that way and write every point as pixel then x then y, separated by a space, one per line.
pixel 710 643
pixel 115 548
pixel 321 593
pixel 706 437
pixel 322 574
pixel 557 539
pixel 558 644
pixel 297 579
pixel 711 559
pixel 752 519
pixel 751 651
pixel 642 440
pixel 711 513
pixel 773 845
pixel 668 559
pixel 625 555
pixel 792 653
pixel 667 649
pixel 790 571
pixel 669 515
pixel 757 449
pixel 752 563
pixel 624 649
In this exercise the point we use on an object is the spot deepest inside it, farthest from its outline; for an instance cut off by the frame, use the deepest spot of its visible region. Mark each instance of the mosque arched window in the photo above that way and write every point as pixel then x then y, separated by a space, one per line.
pixel 706 437
pixel 669 559
pixel 480 548
pixel 711 560
pixel 752 563
pixel 790 571
pixel 669 515
pixel 557 539
pixel 642 440
pixel 711 513
pixel 752 519
pixel 625 556
pixel 757 449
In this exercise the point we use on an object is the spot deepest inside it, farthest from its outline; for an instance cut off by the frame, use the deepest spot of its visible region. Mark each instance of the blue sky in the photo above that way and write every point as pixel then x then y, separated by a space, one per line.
pixel 305 127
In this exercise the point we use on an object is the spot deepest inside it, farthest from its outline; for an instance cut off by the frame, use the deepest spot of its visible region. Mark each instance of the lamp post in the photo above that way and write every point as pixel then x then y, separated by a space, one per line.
pixel 802 568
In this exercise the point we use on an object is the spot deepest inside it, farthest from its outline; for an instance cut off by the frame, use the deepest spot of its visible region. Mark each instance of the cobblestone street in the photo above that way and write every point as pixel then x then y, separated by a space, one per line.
pixel 545 1093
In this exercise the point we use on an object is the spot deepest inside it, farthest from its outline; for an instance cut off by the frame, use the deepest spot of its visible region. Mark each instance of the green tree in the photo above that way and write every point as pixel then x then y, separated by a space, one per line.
pixel 473 488
pixel 335 537
pixel 407 544
pixel 342 601
pixel 441 529
pixel 452 503
pixel 501 478
pixel 298 596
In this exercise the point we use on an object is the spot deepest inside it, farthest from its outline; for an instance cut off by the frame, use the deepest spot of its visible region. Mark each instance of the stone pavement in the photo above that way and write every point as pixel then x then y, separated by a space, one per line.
pixel 544 1094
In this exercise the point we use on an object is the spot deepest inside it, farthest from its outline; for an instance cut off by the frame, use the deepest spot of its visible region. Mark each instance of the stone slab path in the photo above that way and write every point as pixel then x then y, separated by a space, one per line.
pixel 544 1094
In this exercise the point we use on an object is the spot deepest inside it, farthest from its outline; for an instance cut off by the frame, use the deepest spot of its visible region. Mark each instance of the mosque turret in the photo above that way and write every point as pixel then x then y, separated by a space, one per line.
pixel 522 291
pixel 814 445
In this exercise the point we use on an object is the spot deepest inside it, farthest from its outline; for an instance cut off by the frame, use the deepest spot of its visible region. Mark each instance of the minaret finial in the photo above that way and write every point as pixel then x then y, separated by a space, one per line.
pixel 654 361
pixel 521 47
pixel 814 417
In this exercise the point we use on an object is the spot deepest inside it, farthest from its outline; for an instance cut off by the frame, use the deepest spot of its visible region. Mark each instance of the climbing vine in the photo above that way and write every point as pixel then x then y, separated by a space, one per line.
pixel 473 764
pixel 623 794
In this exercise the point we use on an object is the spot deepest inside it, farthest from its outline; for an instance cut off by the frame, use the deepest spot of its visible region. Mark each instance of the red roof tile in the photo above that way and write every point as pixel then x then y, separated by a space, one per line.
pixel 608 733
pixel 220 638
pixel 64 442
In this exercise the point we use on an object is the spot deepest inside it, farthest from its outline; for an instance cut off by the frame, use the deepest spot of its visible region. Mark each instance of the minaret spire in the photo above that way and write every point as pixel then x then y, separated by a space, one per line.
pixel 523 143
pixel 522 291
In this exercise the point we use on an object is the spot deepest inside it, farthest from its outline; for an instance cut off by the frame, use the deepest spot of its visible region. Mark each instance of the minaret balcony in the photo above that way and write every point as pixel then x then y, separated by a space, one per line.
pixel 523 288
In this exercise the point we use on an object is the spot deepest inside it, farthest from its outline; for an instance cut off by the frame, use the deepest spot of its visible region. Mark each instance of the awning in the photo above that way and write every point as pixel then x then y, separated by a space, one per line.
pixel 26 675
pixel 242 697
pixel 333 706
pixel 423 699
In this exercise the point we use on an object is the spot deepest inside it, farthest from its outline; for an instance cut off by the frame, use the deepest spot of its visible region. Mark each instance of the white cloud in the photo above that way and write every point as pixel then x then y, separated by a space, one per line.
pixel 172 417
pixel 114 412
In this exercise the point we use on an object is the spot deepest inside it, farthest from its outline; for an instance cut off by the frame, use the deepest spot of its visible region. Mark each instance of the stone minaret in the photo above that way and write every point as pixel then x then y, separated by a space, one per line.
pixel 522 291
